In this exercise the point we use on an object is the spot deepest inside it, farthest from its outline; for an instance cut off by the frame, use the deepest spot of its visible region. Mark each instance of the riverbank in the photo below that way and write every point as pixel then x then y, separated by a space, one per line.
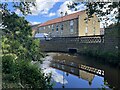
pixel 109 58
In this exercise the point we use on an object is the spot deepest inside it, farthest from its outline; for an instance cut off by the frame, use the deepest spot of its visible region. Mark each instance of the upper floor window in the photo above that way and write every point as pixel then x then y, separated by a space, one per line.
pixel 61 26
pixel 49 26
pixel 71 23
pixel 86 31
pixel 71 29
pixel 56 27
pixel 52 28
pixel 44 27
pixel 40 28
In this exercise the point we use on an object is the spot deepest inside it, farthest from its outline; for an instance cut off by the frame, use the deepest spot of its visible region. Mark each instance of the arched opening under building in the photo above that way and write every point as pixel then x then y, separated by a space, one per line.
pixel 72 50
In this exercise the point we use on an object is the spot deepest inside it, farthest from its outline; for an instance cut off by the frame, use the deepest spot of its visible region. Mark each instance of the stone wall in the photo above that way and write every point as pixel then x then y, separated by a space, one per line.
pixel 107 45
pixel 81 44
pixel 112 39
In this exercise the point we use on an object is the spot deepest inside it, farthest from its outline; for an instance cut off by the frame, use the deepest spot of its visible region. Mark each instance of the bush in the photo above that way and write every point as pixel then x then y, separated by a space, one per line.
pixel 30 76
pixel 33 77
pixel 7 63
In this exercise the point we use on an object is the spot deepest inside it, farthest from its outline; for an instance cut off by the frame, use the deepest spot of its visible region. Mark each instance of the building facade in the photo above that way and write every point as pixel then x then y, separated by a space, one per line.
pixel 34 29
pixel 71 25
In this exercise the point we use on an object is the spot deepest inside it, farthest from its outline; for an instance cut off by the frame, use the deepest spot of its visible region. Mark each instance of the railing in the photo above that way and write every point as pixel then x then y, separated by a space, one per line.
pixel 82 39
pixel 61 65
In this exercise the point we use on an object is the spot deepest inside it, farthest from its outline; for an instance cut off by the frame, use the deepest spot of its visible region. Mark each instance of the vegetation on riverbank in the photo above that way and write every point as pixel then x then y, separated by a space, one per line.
pixel 23 74
pixel 18 50
pixel 108 57
pixel 109 50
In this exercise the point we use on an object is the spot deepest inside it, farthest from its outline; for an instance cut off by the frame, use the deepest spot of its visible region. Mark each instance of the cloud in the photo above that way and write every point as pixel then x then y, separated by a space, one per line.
pixel 51 14
pixel 81 7
pixel 42 7
pixel 33 23
pixel 63 8
pixel 45 66
pixel 18 12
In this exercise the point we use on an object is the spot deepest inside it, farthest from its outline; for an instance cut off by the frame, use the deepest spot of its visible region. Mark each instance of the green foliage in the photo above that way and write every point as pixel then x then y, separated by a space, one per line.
pixel 18 39
pixel 19 49
pixel 72 5
pixel 97 8
pixel 25 73
pixel 36 78
pixel 24 7
pixel 110 57
pixel 7 63
pixel 106 84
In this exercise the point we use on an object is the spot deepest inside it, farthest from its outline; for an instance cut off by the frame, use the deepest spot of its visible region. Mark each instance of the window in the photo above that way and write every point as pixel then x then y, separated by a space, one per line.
pixel 43 27
pixel 71 29
pixel 61 26
pixel 49 26
pixel 57 28
pixel 71 26
pixel 86 31
pixel 71 22
pixel 40 28
pixel 52 28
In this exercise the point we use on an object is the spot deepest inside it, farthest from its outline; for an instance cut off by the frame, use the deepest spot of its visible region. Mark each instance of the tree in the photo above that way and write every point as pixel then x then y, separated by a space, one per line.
pixel 18 38
pixel 19 49
pixel 101 9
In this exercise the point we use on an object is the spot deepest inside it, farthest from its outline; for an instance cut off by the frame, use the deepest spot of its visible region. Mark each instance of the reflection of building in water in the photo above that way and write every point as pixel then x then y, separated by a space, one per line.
pixel 86 76
pixel 110 74
pixel 92 70
pixel 75 71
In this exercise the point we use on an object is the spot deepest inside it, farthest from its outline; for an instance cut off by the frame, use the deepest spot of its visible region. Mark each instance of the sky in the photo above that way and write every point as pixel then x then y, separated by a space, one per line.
pixel 46 10
pixel 49 10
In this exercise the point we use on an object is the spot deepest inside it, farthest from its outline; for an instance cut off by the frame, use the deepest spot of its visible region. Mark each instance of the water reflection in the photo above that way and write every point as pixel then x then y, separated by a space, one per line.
pixel 71 71
pixel 81 74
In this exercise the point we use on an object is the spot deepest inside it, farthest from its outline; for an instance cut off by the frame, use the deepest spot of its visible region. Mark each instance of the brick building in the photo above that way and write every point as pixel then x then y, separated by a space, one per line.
pixel 70 26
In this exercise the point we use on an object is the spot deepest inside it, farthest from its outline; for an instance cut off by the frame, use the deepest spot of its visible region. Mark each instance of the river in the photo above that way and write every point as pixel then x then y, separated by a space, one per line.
pixel 76 71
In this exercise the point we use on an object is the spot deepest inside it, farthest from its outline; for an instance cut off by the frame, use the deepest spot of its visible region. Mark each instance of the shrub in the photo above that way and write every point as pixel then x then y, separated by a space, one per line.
pixel 29 75
pixel 7 63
